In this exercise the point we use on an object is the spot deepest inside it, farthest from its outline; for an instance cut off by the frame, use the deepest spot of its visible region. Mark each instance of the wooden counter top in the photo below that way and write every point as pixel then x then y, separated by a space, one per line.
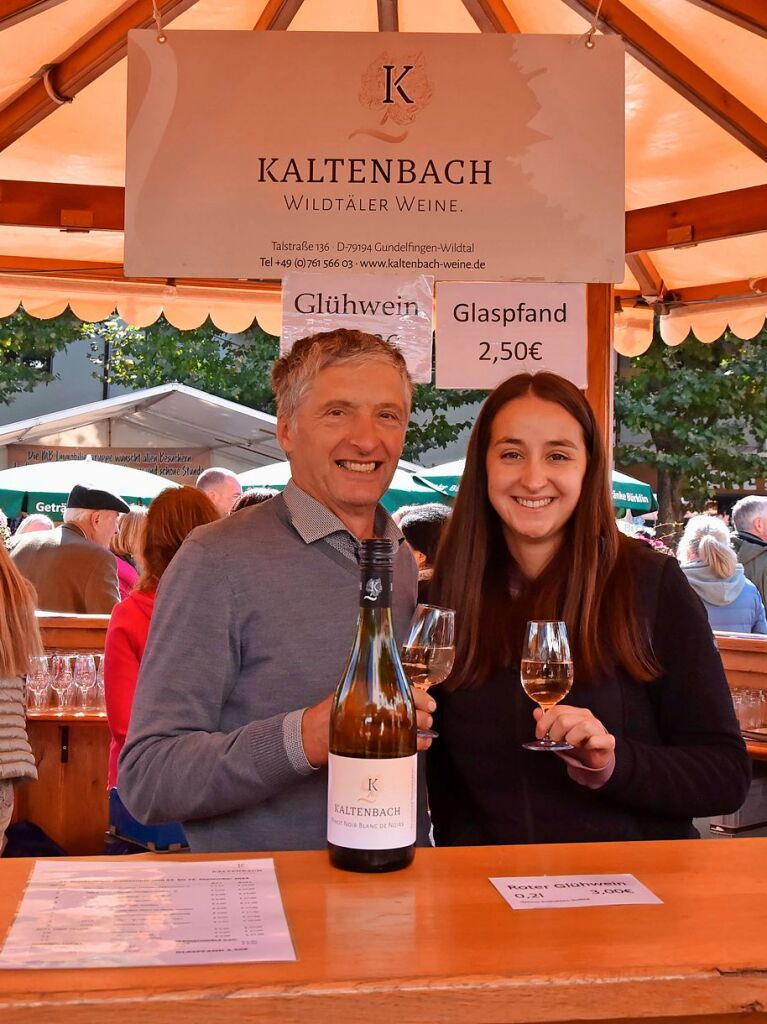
pixel 438 943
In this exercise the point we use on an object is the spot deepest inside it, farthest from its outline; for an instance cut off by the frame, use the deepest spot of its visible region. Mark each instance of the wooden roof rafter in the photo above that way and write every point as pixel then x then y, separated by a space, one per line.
pixel 668 226
pixel 648 277
pixel 90 57
pixel 388 15
pixel 491 16
pixel 672 66
pixel 277 15
pixel 748 14
pixel 703 219
pixel 14 11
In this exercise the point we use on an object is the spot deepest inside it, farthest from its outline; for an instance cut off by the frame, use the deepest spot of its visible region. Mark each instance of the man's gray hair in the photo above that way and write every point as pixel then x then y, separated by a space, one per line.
pixel 77 515
pixel 745 511
pixel 212 478
pixel 293 373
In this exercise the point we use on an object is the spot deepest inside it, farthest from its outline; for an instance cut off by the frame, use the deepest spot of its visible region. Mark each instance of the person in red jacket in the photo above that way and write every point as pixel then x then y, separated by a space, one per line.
pixel 172 515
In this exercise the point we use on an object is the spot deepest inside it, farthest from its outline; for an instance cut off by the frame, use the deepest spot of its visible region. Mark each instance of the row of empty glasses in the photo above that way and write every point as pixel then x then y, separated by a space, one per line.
pixel 750 708
pixel 71 684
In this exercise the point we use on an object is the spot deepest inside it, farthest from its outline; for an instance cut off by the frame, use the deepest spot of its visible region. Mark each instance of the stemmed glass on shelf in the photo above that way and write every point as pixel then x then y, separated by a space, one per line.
pixel 84 678
pixel 546 671
pixel 428 652
pixel 38 680
pixel 61 680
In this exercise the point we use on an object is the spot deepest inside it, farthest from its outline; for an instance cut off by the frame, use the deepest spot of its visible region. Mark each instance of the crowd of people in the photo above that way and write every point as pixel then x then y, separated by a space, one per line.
pixel 232 615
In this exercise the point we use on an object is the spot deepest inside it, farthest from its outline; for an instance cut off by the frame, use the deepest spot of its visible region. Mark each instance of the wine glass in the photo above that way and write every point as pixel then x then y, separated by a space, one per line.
pixel 547 673
pixel 427 654
pixel 84 678
pixel 38 681
pixel 61 680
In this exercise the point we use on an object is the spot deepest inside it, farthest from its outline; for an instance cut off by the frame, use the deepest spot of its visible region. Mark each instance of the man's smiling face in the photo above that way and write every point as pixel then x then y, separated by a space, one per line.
pixel 346 437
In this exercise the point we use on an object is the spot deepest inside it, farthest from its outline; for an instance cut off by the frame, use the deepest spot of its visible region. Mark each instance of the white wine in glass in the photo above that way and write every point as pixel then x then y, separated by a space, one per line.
pixel 427 654
pixel 546 672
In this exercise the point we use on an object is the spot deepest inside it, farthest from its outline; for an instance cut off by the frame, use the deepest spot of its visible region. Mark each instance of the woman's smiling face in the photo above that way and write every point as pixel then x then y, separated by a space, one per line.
pixel 536 461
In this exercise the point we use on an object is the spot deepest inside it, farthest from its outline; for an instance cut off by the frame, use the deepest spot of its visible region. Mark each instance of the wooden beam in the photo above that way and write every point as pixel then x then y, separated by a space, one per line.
pixel 83 270
pixel 705 219
pixel 730 290
pixel 14 11
pixel 388 16
pixel 90 57
pixel 683 75
pixel 491 15
pixel 599 393
pixel 748 14
pixel 68 207
pixel 649 280
pixel 277 15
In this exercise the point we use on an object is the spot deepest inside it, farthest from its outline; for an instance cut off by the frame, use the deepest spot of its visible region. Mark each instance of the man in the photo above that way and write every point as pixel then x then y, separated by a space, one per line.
pixel 222 487
pixel 749 517
pixel 71 567
pixel 255 616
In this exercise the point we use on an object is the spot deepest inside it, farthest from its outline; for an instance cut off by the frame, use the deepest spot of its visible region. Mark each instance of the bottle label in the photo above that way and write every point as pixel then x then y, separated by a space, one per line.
pixel 372 802
pixel 376 590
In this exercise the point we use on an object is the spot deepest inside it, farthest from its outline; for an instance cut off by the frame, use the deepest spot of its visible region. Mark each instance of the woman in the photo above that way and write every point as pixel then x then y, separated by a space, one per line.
pixel 650 719
pixel 19 641
pixel 126 545
pixel 172 515
pixel 731 601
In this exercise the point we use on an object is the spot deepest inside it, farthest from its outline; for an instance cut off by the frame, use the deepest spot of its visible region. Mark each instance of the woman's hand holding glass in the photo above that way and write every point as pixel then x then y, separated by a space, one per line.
pixel 590 741
pixel 428 653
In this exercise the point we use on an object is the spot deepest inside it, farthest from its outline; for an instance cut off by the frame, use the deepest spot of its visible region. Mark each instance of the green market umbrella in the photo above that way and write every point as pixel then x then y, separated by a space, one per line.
pixel 627 492
pixel 44 487
pixel 405 489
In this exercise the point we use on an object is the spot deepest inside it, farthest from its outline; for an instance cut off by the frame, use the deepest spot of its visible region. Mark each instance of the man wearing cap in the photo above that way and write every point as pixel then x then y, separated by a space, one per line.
pixel 71 567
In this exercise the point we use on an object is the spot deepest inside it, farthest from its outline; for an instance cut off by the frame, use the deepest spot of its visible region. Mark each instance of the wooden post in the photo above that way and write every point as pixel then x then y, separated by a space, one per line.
pixel 599 393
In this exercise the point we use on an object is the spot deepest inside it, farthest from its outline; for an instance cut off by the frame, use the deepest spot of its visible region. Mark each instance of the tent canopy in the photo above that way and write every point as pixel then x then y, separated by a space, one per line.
pixel 696 126
pixel 171 414
pixel 44 487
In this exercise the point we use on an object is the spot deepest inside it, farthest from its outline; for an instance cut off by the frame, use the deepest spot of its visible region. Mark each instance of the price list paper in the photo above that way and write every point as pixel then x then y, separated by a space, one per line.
pixel 135 913
pixel 547 892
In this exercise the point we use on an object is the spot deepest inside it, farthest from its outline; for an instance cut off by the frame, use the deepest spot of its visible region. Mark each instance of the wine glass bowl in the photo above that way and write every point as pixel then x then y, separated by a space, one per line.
pixel 429 651
pixel 546 672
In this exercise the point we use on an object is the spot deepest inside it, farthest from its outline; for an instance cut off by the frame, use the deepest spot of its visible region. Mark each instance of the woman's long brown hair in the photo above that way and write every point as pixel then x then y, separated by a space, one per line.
pixel 588 582
pixel 172 515
pixel 19 635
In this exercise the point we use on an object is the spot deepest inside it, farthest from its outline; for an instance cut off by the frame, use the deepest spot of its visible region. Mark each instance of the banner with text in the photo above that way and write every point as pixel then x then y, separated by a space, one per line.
pixel 181 465
pixel 398 309
pixel 488 332
pixel 489 157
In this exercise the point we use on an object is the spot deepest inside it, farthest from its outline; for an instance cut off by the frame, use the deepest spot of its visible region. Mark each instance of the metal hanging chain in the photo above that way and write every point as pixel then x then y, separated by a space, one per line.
pixel 157 15
pixel 590 34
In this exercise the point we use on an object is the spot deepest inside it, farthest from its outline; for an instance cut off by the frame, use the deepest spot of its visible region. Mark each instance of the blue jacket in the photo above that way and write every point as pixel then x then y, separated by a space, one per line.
pixel 733 604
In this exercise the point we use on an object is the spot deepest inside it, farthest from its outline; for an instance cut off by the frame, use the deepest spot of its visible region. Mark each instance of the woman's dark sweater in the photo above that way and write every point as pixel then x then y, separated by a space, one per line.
pixel 678 754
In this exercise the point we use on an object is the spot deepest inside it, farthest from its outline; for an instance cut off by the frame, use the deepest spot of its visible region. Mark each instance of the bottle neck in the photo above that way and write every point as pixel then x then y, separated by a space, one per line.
pixel 375 590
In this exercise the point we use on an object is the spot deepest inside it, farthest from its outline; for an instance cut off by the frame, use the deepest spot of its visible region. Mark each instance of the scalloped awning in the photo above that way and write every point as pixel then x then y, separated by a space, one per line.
pixel 696 148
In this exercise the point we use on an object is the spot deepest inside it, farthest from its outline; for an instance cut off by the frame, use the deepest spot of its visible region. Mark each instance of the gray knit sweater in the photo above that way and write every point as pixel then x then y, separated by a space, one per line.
pixel 250 623
pixel 16 758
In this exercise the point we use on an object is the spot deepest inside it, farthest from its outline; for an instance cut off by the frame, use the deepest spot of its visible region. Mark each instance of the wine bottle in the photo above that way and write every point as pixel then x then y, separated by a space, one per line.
pixel 372 755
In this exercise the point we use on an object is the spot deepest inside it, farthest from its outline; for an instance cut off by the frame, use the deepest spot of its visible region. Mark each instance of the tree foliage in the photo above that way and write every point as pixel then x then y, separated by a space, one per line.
pixel 704 408
pixel 238 367
pixel 26 347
